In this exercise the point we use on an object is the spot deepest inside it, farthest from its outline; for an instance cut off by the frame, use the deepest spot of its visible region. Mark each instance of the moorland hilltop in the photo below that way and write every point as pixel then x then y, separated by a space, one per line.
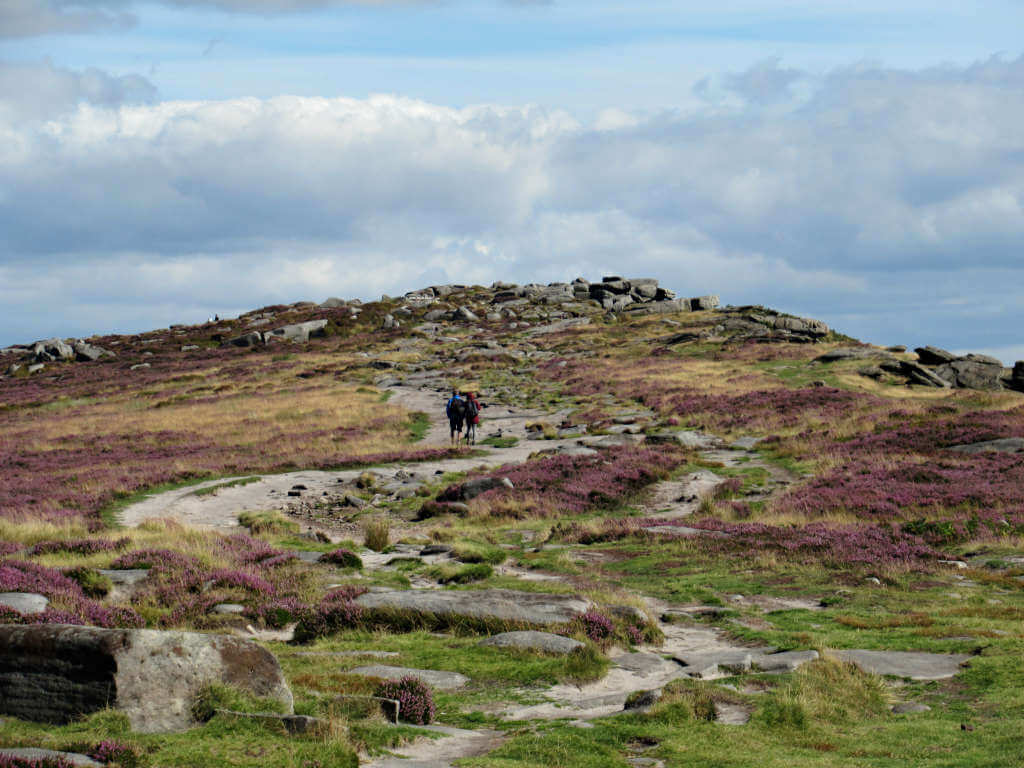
pixel 686 534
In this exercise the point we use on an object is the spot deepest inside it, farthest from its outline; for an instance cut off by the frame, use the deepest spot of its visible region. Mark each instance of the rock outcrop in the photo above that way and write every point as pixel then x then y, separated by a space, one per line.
pixel 55 673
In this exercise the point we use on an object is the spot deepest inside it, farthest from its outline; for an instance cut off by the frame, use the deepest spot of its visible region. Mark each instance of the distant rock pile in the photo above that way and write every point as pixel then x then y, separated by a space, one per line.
pixel 509 301
pixel 934 367
pixel 35 356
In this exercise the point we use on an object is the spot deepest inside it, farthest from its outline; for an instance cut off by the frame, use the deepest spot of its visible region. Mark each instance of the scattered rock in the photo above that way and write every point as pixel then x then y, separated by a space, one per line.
pixel 934 356
pixel 56 673
pixel 1002 445
pixel 916 665
pixel 642 699
pixel 972 374
pixel 527 608
pixel 26 603
pixel 251 339
pixel 533 640
pixel 298 332
pixel 445 681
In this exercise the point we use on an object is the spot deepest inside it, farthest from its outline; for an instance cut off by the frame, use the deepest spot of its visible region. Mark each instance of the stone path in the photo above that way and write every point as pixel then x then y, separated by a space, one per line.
pixel 453 744
pixel 220 510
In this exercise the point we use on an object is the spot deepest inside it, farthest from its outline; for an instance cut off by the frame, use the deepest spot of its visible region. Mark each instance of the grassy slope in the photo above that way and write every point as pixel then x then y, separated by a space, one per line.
pixel 268 410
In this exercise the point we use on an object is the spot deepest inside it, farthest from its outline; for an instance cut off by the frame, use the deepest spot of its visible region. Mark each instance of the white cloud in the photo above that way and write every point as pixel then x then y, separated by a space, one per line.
pixel 846 201
pixel 29 18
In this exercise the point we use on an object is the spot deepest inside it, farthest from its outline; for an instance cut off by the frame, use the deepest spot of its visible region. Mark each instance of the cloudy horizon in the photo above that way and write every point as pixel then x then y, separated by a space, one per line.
pixel 164 161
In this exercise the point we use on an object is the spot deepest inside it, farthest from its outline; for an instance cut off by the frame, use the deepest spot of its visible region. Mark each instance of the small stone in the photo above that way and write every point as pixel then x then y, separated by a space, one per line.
pixel 910 707
pixel 532 640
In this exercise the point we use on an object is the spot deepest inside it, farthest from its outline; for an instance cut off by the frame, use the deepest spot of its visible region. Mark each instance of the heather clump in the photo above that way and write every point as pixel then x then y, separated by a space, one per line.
pixel 111 751
pixel 838 546
pixel 345 558
pixel 79 546
pixel 596 626
pixel 336 611
pixel 414 697
pixel 69 602
pixel 977 495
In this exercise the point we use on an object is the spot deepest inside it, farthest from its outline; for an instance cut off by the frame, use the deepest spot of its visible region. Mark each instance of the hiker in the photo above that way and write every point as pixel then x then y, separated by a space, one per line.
pixel 472 415
pixel 456 412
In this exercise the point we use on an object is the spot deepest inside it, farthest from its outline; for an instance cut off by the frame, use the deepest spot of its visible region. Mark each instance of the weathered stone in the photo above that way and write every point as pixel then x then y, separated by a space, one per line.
pixel 971 374
pixel 333 303
pixel 534 641
pixel 473 488
pixel 298 332
pixel 388 322
pixel 848 353
pixel 24 602
pixel 54 348
pixel 466 314
pixel 642 699
pixel 703 303
pixel 686 438
pixel 251 339
pixel 916 665
pixel 435 315
pixel 1002 445
pixel 445 681
pixel 57 673
pixel 87 352
pixel 801 325
pixel 918 374
pixel 527 608
pixel 934 356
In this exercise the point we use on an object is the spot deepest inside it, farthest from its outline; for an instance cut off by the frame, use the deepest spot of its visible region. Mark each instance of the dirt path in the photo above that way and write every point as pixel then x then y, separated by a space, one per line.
pixel 220 510
pixel 453 744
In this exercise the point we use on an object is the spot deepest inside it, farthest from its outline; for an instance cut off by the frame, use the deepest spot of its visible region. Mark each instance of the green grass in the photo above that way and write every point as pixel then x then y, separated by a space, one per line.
pixel 500 442
pixel 419 425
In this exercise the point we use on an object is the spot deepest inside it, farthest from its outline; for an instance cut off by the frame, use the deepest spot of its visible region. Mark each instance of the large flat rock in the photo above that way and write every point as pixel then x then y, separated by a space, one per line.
pixel 24 602
pixel 532 640
pixel 527 608
pixel 445 681
pixel 56 673
pixel 917 665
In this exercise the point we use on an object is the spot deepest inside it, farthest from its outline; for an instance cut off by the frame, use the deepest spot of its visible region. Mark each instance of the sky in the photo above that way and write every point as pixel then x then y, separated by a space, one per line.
pixel 861 163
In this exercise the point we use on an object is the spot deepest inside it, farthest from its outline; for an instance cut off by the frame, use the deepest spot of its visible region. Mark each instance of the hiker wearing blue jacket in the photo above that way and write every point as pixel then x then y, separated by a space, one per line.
pixel 456 412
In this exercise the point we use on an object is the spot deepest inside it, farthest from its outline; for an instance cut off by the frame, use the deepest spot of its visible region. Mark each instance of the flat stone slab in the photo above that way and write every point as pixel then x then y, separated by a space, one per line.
pixel 126 576
pixel 33 753
pixel 531 608
pixel 533 641
pixel 1003 445
pixel 24 602
pixel 715 664
pixel 916 665
pixel 445 681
